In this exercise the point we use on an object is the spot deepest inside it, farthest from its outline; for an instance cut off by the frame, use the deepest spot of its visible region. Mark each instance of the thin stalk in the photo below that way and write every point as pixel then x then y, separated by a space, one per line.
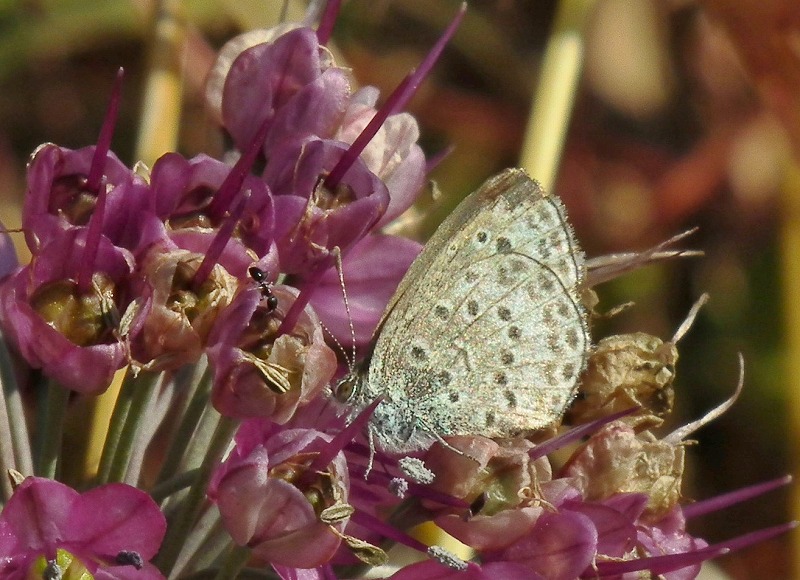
pixel 790 265
pixel 50 429
pixel 20 438
pixel 6 452
pixel 175 484
pixel 15 428
pixel 140 402
pixel 156 411
pixel 130 386
pixel 205 545
pixel 196 449
pixel 555 92
pixel 193 503
pixel 189 423
pixel 235 560
pixel 161 104
pixel 7 445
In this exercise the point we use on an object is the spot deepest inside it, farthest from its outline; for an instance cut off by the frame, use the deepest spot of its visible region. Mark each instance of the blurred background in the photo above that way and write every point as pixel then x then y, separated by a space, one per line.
pixel 687 114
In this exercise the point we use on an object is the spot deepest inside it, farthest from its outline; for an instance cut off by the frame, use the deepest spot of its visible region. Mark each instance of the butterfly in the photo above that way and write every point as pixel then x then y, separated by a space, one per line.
pixel 486 333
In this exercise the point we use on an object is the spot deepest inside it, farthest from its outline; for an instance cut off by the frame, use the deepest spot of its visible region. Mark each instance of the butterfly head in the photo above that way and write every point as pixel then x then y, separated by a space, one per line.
pixel 348 388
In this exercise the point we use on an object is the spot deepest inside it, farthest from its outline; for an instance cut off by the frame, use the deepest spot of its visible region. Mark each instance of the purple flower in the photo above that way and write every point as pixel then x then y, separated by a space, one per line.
pixel 183 192
pixel 275 501
pixel 258 373
pixel 315 219
pixel 68 331
pixel 280 76
pixel 176 315
pixel 59 198
pixel 113 530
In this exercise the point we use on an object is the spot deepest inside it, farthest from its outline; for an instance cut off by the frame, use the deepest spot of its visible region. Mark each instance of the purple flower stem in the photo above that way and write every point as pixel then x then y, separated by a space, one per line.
pixel 189 510
pixel 241 169
pixel 394 103
pixel 198 402
pixel 349 157
pixel 310 284
pixel 325 28
pixel 725 500
pixel 93 180
pixel 92 242
pixel 655 564
pixel 576 433
pixel 219 242
pixel 52 409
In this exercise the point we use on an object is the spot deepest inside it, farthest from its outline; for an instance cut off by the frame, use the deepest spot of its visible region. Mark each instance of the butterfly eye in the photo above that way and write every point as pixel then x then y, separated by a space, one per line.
pixel 345 388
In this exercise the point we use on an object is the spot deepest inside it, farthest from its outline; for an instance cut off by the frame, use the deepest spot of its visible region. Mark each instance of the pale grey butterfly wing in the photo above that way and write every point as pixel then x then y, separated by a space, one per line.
pixel 485 334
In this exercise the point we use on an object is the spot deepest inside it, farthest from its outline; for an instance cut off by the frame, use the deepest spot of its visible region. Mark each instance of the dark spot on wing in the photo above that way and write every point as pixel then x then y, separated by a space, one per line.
pixel 419 354
pixel 511 398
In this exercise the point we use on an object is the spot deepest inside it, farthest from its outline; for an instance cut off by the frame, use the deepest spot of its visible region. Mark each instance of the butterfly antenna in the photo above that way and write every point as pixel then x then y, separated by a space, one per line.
pixel 337 343
pixel 351 358
pixel 340 269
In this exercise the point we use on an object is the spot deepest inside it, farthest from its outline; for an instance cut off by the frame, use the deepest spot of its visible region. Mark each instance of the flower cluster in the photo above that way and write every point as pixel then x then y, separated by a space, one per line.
pixel 216 285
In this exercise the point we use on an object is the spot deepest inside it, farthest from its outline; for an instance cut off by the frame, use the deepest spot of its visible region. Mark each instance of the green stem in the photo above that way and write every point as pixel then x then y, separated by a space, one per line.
pixel 6 451
pixel 18 428
pixel 196 449
pixel 234 562
pixel 192 504
pixel 136 413
pixel 131 385
pixel 176 483
pixel 186 430
pixel 50 429
pixel 205 545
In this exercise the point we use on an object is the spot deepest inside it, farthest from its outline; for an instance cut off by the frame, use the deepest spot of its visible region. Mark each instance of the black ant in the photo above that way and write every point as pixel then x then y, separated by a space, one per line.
pixel 260 278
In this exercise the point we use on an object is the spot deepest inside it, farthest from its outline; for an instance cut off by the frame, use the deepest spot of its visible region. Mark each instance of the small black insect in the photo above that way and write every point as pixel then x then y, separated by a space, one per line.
pixel 260 278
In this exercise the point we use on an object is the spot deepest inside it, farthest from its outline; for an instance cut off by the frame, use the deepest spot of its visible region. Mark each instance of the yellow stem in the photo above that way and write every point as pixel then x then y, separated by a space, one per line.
pixel 161 104
pixel 555 92
pixel 790 258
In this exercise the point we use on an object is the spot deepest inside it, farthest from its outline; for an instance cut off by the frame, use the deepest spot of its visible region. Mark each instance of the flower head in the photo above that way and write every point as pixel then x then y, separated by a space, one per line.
pixel 259 373
pixel 271 502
